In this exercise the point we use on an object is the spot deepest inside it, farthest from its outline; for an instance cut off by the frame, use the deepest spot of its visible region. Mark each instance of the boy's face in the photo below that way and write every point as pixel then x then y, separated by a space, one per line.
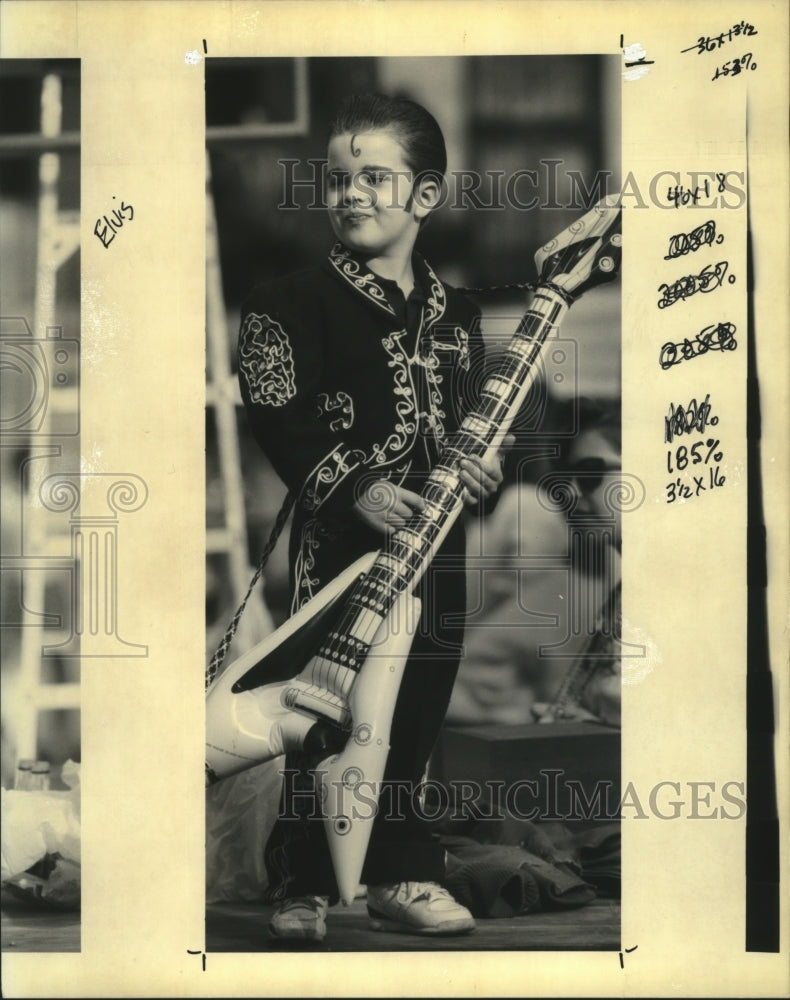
pixel 371 205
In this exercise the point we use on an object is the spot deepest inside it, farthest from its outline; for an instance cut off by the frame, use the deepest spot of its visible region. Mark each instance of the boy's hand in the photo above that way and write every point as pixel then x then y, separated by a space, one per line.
pixel 386 507
pixel 484 477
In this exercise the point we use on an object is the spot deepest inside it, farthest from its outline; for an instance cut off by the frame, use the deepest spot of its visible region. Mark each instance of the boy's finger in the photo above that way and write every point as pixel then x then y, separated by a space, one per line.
pixel 481 474
pixel 471 483
pixel 414 500
pixel 473 470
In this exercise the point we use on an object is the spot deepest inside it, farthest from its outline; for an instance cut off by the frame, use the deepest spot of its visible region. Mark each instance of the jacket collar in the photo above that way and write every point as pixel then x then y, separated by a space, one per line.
pixel 379 292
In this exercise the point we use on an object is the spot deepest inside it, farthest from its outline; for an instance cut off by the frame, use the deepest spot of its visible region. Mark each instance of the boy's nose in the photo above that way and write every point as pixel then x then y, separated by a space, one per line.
pixel 354 196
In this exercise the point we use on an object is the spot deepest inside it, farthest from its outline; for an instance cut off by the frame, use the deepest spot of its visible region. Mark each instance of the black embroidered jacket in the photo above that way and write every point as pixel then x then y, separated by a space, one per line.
pixel 345 383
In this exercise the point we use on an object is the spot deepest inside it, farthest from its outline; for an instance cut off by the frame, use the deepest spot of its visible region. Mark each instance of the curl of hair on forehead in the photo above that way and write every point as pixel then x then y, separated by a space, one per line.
pixel 414 128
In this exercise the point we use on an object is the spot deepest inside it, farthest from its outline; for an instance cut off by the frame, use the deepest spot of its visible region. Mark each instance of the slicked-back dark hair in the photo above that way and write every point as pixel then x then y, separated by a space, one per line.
pixel 415 129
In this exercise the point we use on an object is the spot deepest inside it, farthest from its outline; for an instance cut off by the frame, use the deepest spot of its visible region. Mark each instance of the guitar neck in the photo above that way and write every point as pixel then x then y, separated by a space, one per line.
pixel 413 547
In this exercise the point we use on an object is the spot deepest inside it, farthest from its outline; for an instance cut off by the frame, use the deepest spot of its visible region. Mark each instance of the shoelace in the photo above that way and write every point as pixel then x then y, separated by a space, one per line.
pixel 295 902
pixel 422 890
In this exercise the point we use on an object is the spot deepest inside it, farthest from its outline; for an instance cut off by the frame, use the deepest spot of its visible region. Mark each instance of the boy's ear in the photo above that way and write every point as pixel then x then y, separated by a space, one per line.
pixel 427 194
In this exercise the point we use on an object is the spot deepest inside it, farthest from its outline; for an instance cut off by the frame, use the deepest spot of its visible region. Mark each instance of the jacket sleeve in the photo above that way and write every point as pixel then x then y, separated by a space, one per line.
pixel 280 356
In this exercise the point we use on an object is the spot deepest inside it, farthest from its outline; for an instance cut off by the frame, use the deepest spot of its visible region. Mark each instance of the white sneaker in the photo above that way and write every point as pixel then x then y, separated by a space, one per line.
pixel 301 918
pixel 417 908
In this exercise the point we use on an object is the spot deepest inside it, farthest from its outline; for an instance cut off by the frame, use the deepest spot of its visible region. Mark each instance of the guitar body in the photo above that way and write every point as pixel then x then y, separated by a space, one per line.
pixel 248 718
pixel 251 718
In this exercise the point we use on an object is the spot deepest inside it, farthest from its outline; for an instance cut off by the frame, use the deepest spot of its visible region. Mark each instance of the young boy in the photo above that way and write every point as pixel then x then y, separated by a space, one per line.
pixel 352 374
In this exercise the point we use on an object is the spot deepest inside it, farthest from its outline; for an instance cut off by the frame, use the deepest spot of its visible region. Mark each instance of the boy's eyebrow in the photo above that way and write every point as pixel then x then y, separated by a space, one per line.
pixel 368 167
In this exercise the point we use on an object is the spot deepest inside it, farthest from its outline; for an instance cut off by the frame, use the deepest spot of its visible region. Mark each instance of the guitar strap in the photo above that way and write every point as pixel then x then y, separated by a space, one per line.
pixel 516 286
pixel 598 654
pixel 222 650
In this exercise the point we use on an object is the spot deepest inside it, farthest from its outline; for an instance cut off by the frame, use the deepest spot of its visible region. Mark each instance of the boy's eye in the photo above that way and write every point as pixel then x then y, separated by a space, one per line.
pixel 373 177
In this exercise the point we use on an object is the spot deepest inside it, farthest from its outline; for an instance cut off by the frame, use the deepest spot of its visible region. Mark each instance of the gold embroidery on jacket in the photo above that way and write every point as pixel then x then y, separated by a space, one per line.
pixel 266 360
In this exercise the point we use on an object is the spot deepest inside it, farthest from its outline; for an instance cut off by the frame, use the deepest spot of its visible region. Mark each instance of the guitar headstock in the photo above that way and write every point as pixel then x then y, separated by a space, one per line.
pixel 585 254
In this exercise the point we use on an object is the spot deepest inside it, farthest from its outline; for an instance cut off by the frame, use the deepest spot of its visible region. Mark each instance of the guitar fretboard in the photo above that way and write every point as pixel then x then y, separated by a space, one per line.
pixel 409 550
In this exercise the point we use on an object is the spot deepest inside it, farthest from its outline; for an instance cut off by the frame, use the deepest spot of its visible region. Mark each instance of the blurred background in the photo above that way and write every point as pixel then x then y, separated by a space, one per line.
pixel 39 406
pixel 267 122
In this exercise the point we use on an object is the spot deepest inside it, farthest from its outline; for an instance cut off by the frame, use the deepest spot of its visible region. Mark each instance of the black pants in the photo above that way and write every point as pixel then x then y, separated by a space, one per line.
pixel 402 847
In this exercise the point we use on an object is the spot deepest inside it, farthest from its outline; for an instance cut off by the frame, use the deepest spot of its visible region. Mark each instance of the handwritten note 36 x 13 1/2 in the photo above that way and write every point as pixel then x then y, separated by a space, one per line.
pixel 712 43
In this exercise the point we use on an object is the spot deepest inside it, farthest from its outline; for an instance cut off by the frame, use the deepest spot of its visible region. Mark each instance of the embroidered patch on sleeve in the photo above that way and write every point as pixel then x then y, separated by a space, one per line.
pixel 266 361
pixel 341 405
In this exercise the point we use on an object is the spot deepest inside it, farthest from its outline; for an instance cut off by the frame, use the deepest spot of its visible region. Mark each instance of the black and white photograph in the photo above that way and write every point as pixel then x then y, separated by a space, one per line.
pixel 385 408
pixel 43 561
pixel 394 489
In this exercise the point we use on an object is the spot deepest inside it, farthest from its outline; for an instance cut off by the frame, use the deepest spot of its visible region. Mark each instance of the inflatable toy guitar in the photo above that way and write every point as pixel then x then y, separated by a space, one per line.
pixel 326 681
